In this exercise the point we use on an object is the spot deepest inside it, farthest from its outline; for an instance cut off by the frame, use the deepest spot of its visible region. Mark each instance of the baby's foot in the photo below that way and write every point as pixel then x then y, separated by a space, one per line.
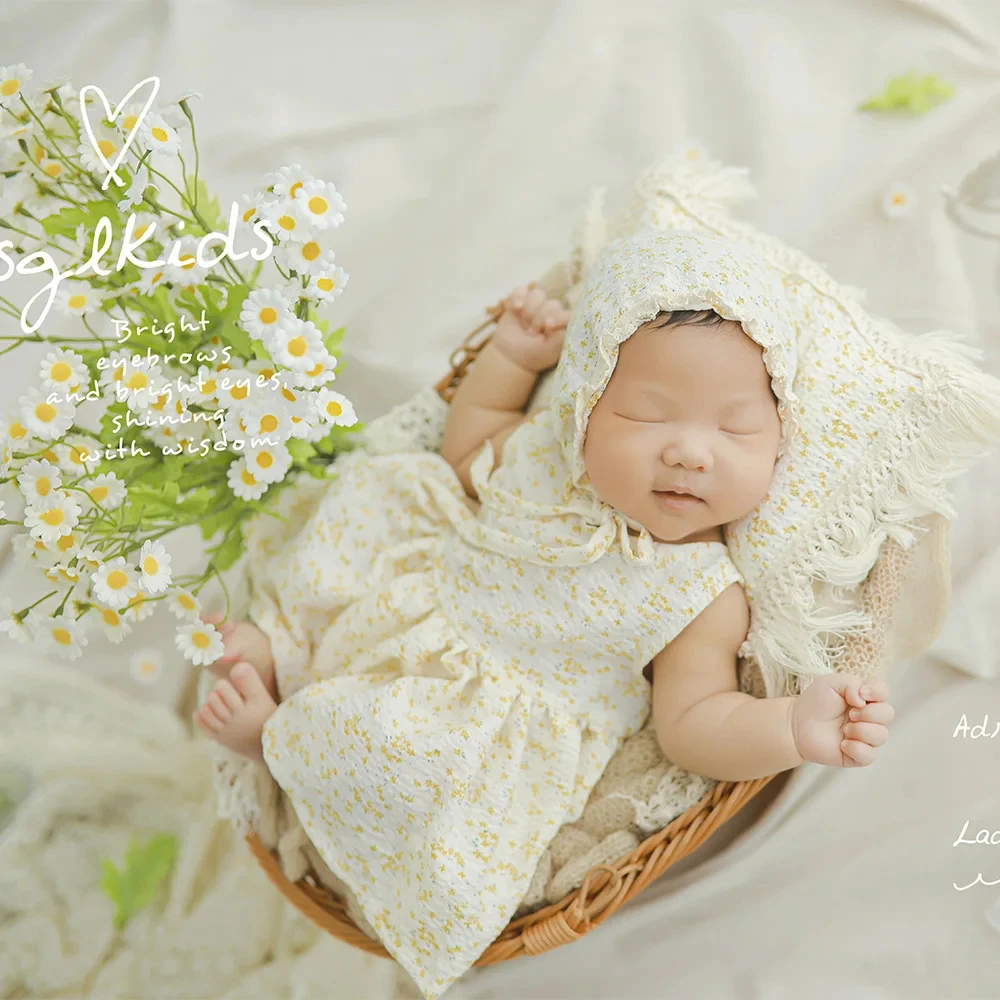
pixel 243 641
pixel 235 712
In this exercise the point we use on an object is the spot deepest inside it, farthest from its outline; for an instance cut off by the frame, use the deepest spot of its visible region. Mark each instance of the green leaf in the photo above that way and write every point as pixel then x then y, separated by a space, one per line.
pixel 230 331
pixel 910 92
pixel 207 204
pixel 66 222
pixel 301 451
pixel 332 340
pixel 229 550
pixel 145 868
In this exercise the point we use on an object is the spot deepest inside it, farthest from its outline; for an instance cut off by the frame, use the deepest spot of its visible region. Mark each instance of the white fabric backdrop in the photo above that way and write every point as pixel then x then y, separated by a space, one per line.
pixel 465 137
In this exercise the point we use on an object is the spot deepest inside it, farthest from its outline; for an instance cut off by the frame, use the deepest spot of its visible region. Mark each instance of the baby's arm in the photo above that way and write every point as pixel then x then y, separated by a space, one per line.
pixel 704 723
pixel 488 404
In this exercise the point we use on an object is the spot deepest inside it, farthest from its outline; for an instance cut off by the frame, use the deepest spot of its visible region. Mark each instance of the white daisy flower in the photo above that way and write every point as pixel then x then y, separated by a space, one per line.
pixel 320 374
pixel 333 408
pixel 899 200
pixel 50 171
pixel 44 419
pixel 286 181
pixel 109 142
pixel 145 666
pixel 65 370
pixel 307 257
pixel 187 271
pixel 67 546
pixel 52 516
pixel 268 463
pixel 249 208
pixel 136 190
pixel 200 642
pixel 151 279
pixel 320 205
pixel 115 367
pixel 115 583
pixel 298 345
pixel 114 625
pixel 63 635
pixel 144 397
pixel 38 479
pixel 203 389
pixel 63 574
pixel 77 298
pixel 129 117
pixel 243 482
pixel 263 312
pixel 14 82
pixel 78 456
pixel 235 386
pixel 17 630
pixel 89 557
pixel 268 417
pixel 139 608
pixel 184 604
pixel 157 135
pixel 282 218
pixel 154 565
pixel 107 491
pixel 327 285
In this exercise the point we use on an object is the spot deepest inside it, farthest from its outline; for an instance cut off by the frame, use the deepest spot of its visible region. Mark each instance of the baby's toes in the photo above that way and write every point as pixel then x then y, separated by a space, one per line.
pixel 247 683
pixel 866 732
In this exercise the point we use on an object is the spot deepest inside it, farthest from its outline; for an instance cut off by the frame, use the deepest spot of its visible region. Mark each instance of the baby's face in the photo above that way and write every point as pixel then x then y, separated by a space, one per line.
pixel 686 407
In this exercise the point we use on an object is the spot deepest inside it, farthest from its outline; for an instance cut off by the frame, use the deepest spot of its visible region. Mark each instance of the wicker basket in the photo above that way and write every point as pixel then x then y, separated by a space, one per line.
pixel 605 888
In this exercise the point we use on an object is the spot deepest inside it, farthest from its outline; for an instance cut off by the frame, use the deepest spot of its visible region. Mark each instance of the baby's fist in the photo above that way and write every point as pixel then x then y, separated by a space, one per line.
pixel 840 720
pixel 530 332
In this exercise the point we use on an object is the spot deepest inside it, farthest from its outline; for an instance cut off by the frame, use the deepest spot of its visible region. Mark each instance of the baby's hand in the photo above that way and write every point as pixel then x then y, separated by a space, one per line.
pixel 840 720
pixel 530 331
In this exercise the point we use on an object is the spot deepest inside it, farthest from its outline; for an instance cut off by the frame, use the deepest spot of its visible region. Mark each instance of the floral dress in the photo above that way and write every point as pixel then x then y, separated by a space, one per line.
pixel 454 681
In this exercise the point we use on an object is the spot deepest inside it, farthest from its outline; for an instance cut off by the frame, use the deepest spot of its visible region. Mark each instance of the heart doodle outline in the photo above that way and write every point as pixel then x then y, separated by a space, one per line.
pixel 113 168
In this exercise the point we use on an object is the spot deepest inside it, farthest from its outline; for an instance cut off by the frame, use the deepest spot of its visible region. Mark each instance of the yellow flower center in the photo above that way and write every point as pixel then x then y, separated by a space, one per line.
pixel 66 542
pixel 268 423
pixel 186 602
pixel 138 381
pixel 268 315
pixel 42 486
pixel 46 412
pixel 287 223
pixel 117 580
pixel 17 430
pixel 266 372
pixel 110 617
pixel 129 122
pixel 249 213
pixel 77 301
pixel 107 147
pixel 200 639
pixel 297 346
pixel 188 262
pixel 159 134
pixel 10 87
pixel 150 566
pixel 325 284
pixel 294 188
pixel 290 396
pixel 50 456
pixel 157 278
pixel 54 517
pixel 239 392
pixel 313 372
pixel 78 456
pixel 334 408
pixel 52 169
pixel 310 251
pixel 208 386
pixel 99 493
pixel 60 371
pixel 265 460
pixel 248 477
pixel 318 206
pixel 62 636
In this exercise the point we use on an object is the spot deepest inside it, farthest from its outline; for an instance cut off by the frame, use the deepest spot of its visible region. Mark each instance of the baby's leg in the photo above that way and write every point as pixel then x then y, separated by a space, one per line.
pixel 244 642
pixel 236 710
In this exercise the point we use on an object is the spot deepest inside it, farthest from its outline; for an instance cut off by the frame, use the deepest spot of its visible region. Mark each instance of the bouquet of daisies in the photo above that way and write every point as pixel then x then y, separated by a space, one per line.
pixel 201 356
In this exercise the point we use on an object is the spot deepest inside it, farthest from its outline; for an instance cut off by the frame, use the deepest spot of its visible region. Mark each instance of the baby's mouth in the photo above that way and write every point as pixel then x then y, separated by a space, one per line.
pixel 676 501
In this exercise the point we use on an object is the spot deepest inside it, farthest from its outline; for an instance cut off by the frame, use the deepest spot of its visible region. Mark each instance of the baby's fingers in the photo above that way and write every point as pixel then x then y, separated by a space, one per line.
pixel 878 711
pixel 875 691
pixel 866 732
pixel 550 317
pixel 516 298
pixel 860 753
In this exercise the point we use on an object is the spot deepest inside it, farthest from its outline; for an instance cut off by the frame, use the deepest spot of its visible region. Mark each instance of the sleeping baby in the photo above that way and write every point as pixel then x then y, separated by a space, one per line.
pixel 443 655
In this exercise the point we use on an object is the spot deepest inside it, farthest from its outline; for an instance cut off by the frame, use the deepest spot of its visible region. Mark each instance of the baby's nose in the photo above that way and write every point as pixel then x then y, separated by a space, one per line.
pixel 689 449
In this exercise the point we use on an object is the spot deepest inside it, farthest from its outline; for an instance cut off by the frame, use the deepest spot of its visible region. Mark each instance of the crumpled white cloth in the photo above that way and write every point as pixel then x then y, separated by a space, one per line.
pixel 98 769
